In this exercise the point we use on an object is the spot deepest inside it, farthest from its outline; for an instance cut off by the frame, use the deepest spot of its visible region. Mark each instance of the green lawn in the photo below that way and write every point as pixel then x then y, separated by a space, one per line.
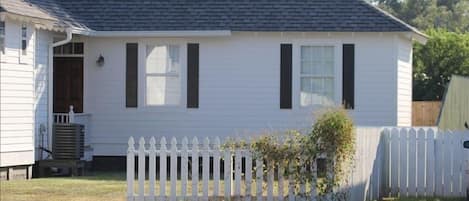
pixel 431 199
pixel 101 186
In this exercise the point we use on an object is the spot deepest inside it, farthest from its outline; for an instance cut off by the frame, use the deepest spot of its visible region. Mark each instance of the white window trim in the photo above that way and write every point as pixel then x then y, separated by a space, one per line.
pixel 142 75
pixel 296 72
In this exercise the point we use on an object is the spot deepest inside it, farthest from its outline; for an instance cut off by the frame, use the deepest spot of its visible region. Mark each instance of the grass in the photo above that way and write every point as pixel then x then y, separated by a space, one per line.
pixel 101 186
pixel 106 186
pixel 430 199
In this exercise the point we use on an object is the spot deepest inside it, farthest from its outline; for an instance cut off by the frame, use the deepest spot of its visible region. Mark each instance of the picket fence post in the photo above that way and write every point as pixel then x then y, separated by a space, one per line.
pixel 184 167
pixel 152 168
pixel 173 168
pixel 130 169
pixel 163 168
pixel 141 169
pixel 216 168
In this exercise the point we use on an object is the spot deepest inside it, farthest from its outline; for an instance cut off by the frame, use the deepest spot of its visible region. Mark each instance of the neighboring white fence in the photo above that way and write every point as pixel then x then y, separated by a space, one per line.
pixel 242 179
pixel 425 162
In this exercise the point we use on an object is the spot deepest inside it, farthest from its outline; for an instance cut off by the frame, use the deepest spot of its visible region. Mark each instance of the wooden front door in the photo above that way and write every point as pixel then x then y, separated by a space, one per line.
pixel 68 84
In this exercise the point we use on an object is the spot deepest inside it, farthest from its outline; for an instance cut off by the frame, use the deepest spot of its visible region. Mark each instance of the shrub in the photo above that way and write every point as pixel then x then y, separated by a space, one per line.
pixel 332 135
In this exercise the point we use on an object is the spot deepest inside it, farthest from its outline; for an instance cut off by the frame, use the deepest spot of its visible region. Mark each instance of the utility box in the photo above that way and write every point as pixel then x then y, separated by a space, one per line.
pixel 68 141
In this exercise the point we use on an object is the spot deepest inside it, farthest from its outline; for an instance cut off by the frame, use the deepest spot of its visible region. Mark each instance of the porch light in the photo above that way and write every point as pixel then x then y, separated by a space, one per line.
pixel 100 60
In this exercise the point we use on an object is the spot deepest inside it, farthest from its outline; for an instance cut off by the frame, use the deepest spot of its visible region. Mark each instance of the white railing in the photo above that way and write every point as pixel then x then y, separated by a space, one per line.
pixel 64 118
pixel 243 175
pixel 426 162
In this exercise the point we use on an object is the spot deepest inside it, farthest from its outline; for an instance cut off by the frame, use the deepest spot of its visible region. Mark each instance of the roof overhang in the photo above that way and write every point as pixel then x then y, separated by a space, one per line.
pixel 39 23
pixel 209 33
pixel 419 37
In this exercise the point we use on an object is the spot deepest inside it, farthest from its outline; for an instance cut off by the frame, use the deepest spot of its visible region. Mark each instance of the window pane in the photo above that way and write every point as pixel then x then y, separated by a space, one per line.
pixel 23 32
pixel 306 91
pixel 58 50
pixel 316 52
pixel 67 48
pixel 173 59
pixel 163 90
pixel 77 48
pixel 2 36
pixel 328 69
pixel 2 28
pixel 328 53
pixel 162 59
pixel 306 53
pixel 306 67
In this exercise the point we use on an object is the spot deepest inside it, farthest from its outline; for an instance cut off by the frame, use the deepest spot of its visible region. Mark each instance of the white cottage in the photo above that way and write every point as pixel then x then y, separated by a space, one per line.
pixel 205 68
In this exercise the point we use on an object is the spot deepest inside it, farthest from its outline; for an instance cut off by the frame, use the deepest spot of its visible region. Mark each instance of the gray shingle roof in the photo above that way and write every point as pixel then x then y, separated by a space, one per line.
pixel 233 15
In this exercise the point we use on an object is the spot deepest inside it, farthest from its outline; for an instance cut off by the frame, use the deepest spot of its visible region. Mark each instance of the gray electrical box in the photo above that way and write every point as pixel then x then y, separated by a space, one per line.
pixel 68 141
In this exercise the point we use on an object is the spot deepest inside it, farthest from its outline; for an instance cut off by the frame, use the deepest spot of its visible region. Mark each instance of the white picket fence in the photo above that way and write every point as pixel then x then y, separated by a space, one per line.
pixel 425 162
pixel 242 177
pixel 388 162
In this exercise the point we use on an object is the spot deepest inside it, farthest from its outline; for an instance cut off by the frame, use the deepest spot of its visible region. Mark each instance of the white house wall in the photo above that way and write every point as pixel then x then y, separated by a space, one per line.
pixel 17 98
pixel 238 90
pixel 404 84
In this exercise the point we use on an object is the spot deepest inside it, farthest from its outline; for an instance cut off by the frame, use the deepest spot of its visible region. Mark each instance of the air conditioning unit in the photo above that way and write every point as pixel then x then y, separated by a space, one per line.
pixel 68 141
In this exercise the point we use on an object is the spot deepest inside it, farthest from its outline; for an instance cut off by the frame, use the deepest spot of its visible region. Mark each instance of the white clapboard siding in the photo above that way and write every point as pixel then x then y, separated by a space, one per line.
pixel 426 162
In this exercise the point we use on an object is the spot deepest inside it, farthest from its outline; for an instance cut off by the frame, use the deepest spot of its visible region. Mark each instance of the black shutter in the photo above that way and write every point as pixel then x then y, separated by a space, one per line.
pixel 348 76
pixel 285 76
pixel 131 75
pixel 192 75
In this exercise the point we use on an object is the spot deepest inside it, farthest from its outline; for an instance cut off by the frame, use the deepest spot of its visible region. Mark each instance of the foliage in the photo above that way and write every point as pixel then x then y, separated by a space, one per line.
pixel 294 153
pixel 452 15
pixel 333 134
pixel 445 54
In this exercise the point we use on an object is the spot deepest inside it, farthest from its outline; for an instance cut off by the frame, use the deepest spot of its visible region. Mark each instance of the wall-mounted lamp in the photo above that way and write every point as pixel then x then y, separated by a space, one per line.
pixel 100 60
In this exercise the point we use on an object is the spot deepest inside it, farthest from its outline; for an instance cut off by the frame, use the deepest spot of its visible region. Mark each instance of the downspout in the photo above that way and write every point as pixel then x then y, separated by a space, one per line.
pixel 50 85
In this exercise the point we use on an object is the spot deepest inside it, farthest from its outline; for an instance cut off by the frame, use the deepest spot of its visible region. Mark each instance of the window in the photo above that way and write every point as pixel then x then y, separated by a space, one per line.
pixel 2 37
pixel 69 49
pixel 24 44
pixel 162 75
pixel 317 75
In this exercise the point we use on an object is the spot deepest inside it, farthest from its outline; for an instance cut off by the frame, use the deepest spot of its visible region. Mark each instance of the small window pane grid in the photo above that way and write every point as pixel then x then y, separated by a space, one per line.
pixel 69 49
pixel 163 86
pixel 2 37
pixel 24 34
pixel 317 76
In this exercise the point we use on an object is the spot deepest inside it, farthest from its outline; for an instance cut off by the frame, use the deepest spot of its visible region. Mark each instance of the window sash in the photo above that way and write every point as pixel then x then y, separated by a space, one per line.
pixel 2 36
pixel 170 69
pixel 317 75
pixel 24 43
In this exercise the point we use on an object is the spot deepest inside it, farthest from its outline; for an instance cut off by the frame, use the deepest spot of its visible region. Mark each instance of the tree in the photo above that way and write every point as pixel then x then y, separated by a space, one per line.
pixel 430 14
pixel 445 54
